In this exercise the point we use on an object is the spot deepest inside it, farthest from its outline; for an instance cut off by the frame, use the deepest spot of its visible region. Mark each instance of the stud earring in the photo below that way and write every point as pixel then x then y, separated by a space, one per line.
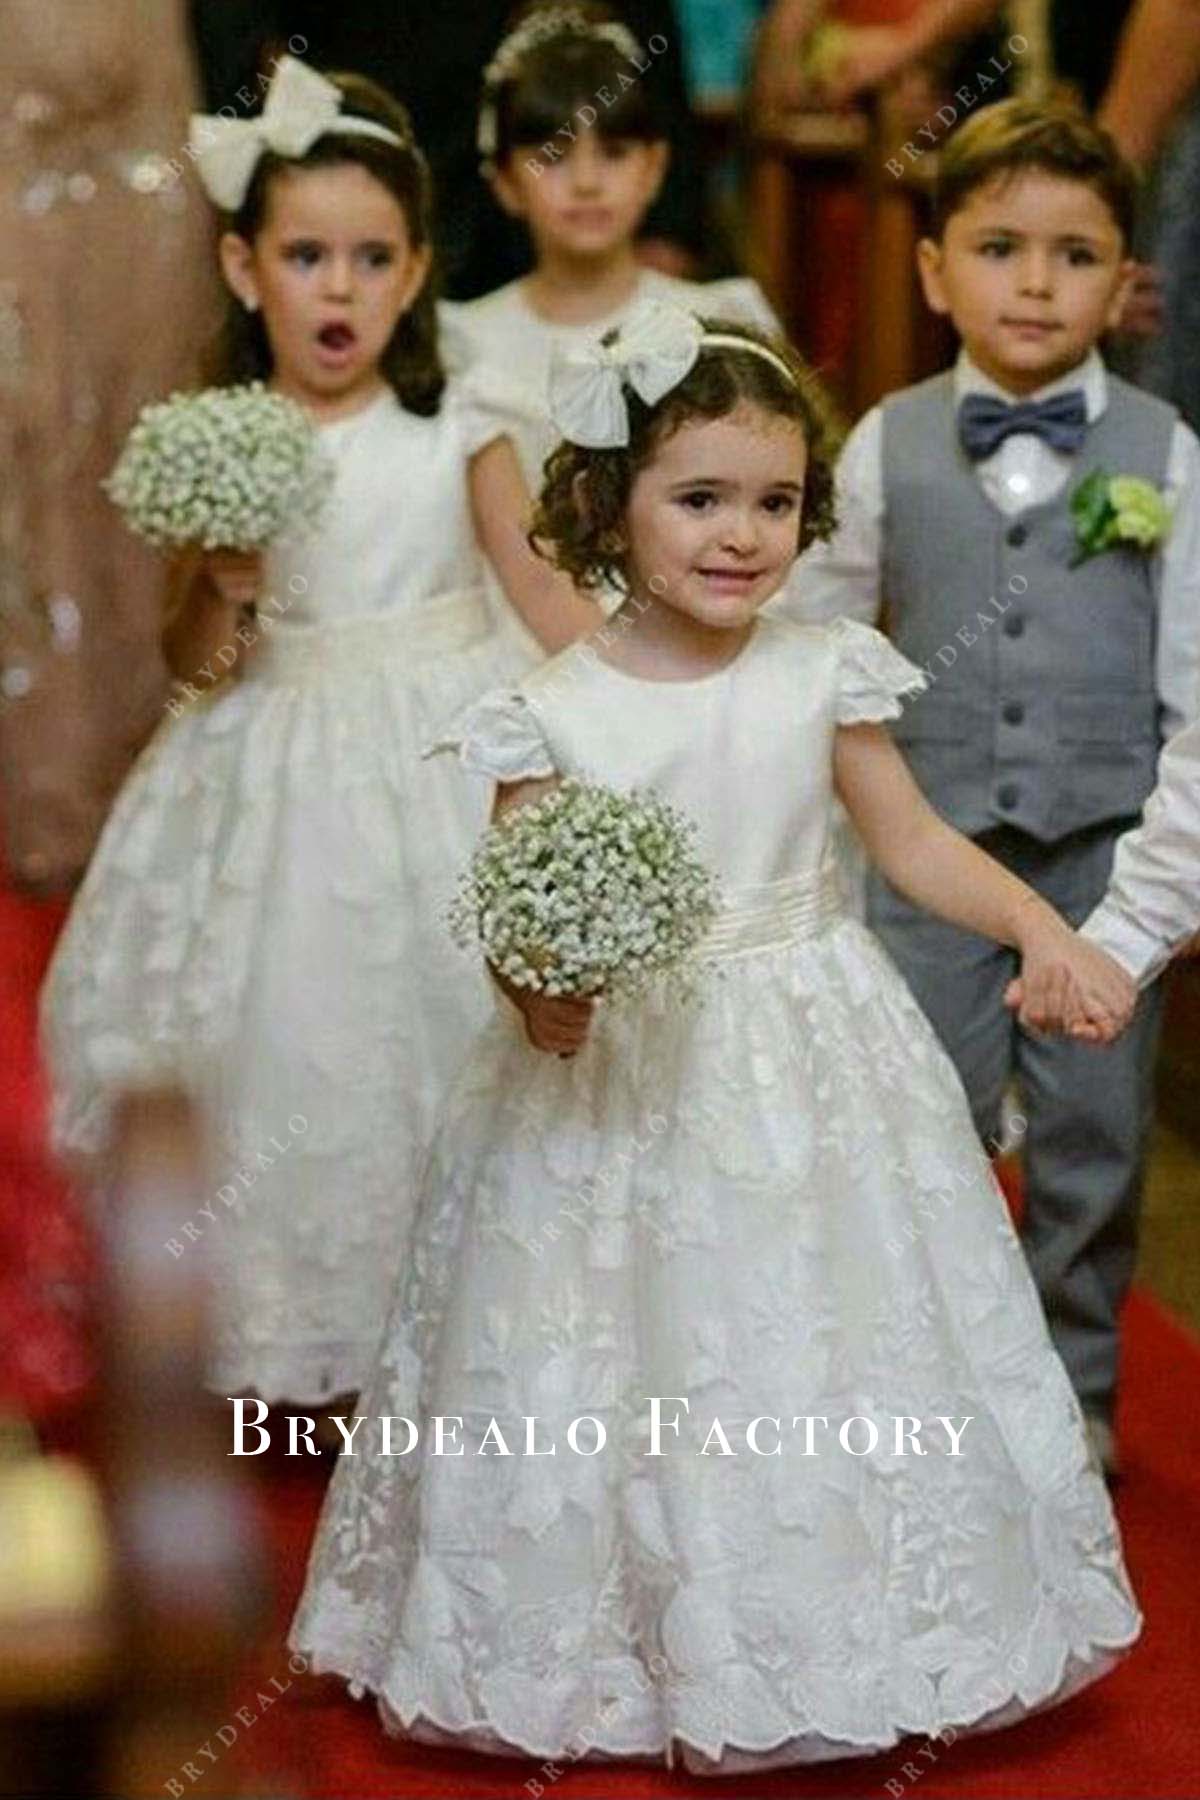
pixel 250 303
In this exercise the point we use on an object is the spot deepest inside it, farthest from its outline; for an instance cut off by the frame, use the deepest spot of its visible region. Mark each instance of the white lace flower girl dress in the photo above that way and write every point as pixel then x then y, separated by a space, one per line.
pixel 769 1204
pixel 262 918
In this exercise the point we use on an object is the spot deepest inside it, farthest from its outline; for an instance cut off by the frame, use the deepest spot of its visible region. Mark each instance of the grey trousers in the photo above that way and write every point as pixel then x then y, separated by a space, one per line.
pixel 1087 1109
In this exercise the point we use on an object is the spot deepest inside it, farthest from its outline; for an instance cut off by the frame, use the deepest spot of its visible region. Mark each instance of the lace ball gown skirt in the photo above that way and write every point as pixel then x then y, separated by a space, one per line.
pixel 769 1204
pixel 263 921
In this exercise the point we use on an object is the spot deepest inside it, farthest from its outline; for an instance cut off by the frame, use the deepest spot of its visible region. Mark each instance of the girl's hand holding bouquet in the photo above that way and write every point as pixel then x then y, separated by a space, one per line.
pixel 236 575
pixel 584 892
pixel 215 478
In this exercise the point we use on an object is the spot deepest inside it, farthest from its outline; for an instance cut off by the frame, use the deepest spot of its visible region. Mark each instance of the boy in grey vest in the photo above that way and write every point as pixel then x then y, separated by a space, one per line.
pixel 1058 621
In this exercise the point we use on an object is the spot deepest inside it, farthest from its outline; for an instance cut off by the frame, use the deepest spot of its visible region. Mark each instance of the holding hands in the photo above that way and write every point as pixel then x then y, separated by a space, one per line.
pixel 1069 985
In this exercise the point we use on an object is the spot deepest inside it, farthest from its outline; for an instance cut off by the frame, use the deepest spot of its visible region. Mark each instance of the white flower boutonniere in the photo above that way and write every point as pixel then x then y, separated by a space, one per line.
pixel 1111 511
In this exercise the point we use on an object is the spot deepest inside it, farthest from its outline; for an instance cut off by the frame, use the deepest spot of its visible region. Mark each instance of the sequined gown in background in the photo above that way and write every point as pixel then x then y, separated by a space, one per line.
pixel 106 291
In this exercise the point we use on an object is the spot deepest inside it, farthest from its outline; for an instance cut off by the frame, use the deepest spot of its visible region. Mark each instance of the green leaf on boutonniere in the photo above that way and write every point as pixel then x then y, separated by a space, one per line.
pixel 1093 513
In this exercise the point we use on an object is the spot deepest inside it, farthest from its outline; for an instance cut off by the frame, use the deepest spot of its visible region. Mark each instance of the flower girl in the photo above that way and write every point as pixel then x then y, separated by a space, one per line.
pixel 260 920
pixel 572 144
pixel 805 1248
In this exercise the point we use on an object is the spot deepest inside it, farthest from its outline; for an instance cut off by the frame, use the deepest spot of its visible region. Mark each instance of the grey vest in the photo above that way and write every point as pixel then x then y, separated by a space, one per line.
pixel 1043 710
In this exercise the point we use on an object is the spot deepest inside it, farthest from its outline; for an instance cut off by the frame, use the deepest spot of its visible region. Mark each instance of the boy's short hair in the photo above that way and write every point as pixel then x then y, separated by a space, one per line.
pixel 1054 136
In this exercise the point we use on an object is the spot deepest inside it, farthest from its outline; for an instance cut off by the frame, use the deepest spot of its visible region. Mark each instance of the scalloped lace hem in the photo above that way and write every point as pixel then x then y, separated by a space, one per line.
pixel 304 1375
pixel 676 1749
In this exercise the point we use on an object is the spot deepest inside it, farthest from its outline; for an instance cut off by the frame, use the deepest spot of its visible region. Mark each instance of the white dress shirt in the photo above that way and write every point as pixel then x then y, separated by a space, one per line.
pixel 1153 899
pixel 843 575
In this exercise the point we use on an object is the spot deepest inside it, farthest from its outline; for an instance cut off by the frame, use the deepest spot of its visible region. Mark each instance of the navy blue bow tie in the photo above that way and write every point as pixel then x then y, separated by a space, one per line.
pixel 984 421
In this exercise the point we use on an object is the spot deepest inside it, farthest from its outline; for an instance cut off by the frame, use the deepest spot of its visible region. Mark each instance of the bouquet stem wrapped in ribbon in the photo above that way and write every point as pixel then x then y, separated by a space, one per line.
pixel 587 891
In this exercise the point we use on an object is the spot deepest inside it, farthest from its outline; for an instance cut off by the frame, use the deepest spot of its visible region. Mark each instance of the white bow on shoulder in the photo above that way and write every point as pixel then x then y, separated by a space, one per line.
pixel 655 348
pixel 300 107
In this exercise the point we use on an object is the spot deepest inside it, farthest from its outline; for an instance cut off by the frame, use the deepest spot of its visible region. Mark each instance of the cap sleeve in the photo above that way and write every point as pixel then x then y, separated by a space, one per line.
pixel 490 404
pixel 499 736
pixel 872 674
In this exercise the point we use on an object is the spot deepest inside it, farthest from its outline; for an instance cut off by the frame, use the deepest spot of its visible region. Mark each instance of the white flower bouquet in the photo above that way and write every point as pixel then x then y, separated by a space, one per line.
pixel 587 891
pixel 227 469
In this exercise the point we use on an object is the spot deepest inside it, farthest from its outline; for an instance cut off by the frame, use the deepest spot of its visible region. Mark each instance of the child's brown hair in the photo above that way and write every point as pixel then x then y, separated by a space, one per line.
pixel 579 521
pixel 572 71
pixel 1014 135
pixel 411 362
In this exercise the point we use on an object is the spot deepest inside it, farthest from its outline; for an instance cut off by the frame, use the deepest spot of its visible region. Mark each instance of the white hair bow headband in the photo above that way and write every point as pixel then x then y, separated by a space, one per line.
pixel 300 107
pixel 655 349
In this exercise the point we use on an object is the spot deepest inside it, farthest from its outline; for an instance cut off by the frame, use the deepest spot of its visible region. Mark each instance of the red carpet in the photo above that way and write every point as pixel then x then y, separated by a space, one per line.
pixel 1135 1734
pixel 45 1266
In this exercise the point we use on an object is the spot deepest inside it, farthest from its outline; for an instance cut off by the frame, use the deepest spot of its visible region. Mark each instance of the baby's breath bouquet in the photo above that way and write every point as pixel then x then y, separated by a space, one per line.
pixel 230 468
pixel 586 891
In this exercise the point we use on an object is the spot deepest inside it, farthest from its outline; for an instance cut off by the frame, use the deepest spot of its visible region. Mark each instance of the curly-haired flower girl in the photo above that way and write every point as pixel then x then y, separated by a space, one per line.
pixel 810 1244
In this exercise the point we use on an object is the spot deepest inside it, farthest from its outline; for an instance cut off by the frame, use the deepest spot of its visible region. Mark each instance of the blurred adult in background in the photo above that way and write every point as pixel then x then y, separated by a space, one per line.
pixel 1151 108
pixel 1070 44
pixel 101 308
pixel 432 57
pixel 718 41
pixel 793 56
pixel 1157 72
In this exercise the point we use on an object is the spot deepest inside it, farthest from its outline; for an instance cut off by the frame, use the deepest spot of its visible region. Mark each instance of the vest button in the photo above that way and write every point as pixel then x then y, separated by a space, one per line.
pixel 1008 795
pixel 1015 626
pixel 1017 534
pixel 1014 713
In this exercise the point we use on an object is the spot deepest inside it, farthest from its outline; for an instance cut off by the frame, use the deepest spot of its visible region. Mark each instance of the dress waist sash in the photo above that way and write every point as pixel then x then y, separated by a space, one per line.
pixel 777 913
pixel 288 653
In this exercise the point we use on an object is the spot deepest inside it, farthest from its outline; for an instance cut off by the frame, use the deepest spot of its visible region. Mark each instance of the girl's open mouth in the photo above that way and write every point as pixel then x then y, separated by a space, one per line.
pixel 336 338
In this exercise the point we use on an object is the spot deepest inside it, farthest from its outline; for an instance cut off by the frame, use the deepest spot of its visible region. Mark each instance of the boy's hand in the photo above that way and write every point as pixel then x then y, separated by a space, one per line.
pixel 237 575
pixel 554 1024
pixel 1069 985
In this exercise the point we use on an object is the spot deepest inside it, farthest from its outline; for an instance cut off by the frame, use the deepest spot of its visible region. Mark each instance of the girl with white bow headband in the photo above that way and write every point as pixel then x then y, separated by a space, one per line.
pixel 573 144
pixel 262 919
pixel 656 1462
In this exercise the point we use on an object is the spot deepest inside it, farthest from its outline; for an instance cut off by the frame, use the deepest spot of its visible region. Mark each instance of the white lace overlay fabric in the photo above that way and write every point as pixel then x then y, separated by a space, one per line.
pixel 770 1203
pixel 263 919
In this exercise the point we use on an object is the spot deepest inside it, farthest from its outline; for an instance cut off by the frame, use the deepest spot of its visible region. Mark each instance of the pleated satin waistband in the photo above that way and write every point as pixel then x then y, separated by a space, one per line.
pixel 452 621
pixel 778 913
